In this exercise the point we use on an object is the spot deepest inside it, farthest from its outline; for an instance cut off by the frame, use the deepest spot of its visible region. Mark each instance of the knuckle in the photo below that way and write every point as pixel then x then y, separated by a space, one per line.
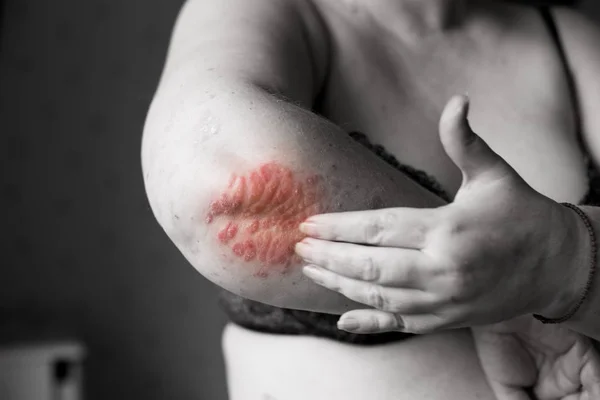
pixel 394 307
pixel 397 321
pixel 376 298
pixel 460 288
pixel 372 232
pixel 458 283
pixel 376 228
pixel 370 270
pixel 407 326
pixel 452 226
pixel 340 260
pixel 426 231
pixel 388 218
pixel 375 323
pixel 436 269
pixel 454 296
pixel 420 234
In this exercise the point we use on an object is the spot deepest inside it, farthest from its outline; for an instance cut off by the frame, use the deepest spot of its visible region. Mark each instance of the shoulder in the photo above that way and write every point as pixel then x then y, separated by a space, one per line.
pixel 286 34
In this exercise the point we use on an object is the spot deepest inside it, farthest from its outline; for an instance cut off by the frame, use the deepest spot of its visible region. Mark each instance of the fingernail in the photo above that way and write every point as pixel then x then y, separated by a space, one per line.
pixel 348 324
pixel 302 249
pixel 309 228
pixel 399 323
pixel 313 272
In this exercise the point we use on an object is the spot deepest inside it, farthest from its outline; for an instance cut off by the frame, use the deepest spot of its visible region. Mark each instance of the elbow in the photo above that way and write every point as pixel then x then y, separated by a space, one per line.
pixel 240 234
pixel 252 220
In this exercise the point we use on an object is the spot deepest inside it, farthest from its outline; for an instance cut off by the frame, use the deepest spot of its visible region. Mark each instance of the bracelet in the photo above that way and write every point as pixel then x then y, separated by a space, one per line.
pixel 588 284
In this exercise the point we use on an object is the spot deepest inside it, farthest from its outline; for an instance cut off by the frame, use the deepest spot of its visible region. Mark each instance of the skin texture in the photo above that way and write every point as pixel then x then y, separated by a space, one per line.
pixel 524 359
pixel 498 239
pixel 258 215
pixel 385 83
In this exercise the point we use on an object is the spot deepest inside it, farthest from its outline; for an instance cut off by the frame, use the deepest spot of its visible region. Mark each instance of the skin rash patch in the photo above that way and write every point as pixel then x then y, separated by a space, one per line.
pixel 258 215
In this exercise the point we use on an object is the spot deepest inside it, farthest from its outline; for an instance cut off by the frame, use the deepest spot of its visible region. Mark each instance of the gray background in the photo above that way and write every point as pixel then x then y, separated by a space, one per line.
pixel 81 255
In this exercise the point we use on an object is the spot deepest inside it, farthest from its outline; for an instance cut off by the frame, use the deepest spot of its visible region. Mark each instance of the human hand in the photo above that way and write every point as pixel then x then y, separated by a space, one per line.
pixel 499 250
pixel 523 356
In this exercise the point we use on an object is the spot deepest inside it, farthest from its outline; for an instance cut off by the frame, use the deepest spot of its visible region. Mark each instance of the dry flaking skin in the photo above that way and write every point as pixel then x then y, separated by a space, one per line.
pixel 258 215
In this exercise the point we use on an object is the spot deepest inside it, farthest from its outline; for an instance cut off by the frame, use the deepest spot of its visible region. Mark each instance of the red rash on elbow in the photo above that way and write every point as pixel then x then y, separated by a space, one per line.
pixel 261 211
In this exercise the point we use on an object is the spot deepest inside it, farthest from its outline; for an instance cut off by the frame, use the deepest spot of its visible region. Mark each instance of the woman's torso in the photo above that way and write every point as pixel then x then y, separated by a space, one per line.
pixel 392 86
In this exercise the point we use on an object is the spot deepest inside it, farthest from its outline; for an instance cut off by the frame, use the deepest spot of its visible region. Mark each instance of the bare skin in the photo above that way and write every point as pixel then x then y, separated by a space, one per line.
pixel 386 72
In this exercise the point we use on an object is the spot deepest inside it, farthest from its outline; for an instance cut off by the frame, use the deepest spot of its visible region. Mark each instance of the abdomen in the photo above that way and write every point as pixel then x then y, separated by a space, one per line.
pixel 440 366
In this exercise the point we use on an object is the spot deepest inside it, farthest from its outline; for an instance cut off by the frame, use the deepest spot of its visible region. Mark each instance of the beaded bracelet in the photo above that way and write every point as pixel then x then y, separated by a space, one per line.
pixel 588 285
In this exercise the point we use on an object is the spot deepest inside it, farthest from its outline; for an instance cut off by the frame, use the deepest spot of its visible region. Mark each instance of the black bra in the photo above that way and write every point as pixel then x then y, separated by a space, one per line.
pixel 265 318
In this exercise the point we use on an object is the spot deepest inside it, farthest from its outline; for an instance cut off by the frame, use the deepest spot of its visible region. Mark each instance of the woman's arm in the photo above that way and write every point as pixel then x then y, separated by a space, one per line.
pixel 498 251
pixel 233 159
pixel 582 44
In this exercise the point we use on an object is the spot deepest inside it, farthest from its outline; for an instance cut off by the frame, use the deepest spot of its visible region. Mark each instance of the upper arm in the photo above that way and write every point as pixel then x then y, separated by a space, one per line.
pixel 279 45
pixel 224 57
pixel 230 169
pixel 581 38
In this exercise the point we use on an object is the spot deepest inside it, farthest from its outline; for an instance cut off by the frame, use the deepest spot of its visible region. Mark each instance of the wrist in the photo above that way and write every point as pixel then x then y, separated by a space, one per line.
pixel 567 252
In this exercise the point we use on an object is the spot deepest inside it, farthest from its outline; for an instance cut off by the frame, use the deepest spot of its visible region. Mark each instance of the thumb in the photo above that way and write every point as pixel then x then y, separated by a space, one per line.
pixel 464 147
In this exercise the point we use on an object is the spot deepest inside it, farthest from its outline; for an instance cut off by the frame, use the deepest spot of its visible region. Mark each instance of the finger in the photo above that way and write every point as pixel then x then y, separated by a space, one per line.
pixel 385 266
pixel 590 373
pixel 508 366
pixel 392 227
pixel 408 301
pixel 467 150
pixel 370 321
pixel 429 323
pixel 570 371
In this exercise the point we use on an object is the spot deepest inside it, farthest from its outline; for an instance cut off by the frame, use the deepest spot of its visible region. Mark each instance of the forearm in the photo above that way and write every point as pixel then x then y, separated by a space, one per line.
pixel 204 153
pixel 587 318
pixel 568 269
pixel 581 36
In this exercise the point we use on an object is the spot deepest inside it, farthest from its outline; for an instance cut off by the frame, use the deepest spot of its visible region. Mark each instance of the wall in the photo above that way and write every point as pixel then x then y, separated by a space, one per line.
pixel 81 252
pixel 592 7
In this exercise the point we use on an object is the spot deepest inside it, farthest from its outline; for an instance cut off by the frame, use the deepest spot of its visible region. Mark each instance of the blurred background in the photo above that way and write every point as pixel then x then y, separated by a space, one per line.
pixel 81 254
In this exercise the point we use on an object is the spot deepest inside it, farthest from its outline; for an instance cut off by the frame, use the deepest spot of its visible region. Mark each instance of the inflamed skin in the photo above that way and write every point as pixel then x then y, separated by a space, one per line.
pixel 258 213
